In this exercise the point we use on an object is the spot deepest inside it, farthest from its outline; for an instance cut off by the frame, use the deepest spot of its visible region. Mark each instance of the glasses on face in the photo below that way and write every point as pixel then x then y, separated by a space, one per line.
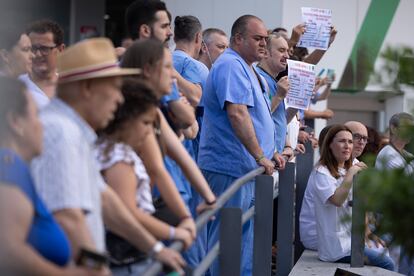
pixel 44 50
pixel 360 138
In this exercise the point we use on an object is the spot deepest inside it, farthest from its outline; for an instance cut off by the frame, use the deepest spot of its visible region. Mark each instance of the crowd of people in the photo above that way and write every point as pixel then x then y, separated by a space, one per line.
pixel 325 223
pixel 109 154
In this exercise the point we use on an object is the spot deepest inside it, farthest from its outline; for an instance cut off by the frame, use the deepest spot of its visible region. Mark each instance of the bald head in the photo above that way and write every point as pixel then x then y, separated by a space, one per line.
pixel 360 134
pixel 248 38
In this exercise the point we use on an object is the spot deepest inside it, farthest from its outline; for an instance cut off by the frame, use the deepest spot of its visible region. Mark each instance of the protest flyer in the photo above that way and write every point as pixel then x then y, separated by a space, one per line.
pixel 301 77
pixel 318 27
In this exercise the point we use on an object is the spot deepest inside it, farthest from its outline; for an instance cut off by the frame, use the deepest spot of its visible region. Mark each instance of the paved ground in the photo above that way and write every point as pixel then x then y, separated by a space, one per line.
pixel 309 265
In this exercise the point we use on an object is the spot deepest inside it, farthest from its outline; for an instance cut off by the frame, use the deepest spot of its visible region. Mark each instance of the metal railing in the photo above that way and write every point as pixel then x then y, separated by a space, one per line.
pixel 290 194
pixel 358 228
pixel 232 220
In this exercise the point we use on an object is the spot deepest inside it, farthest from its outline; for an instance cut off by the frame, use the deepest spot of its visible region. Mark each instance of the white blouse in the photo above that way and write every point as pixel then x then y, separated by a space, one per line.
pixel 121 152
pixel 333 224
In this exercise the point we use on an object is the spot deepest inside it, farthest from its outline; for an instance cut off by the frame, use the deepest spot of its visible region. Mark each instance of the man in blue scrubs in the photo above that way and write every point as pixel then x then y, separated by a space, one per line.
pixel 150 19
pixel 238 132
pixel 269 67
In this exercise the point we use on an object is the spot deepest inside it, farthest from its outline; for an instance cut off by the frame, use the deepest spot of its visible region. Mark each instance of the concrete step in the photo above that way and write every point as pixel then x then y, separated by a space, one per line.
pixel 309 265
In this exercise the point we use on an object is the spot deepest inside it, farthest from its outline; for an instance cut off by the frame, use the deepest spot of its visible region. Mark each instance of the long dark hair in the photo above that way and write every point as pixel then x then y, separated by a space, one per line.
pixel 327 158
pixel 13 101
pixel 139 98
pixel 143 53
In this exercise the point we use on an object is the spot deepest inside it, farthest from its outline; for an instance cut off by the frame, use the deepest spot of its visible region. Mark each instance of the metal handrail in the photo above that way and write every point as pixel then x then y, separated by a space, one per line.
pixel 202 219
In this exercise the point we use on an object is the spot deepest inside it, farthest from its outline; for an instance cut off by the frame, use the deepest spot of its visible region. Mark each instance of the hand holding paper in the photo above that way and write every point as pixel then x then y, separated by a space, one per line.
pixel 301 77
pixel 319 33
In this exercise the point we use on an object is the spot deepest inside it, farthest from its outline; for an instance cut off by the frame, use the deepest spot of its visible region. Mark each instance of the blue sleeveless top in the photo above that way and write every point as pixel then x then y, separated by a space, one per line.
pixel 45 235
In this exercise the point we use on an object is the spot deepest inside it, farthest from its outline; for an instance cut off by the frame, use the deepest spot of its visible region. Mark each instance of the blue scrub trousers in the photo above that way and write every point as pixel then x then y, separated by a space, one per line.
pixel 243 199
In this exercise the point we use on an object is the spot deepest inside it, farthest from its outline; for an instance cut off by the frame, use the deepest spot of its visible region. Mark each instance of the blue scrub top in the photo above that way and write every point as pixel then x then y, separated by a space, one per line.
pixel 232 80
pixel 173 96
pixel 279 115
pixel 44 235
pixel 191 69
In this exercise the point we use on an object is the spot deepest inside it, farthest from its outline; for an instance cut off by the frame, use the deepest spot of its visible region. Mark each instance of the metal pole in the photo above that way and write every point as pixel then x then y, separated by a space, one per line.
pixel 284 262
pixel 358 228
pixel 262 244
pixel 230 241
pixel 304 165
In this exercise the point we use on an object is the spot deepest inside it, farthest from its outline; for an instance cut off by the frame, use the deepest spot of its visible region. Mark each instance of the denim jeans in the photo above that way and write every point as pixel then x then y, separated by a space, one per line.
pixel 374 258
pixel 406 264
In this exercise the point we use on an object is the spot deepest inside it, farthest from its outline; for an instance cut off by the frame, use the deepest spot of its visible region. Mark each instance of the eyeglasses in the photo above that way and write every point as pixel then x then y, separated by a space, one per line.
pixel 360 138
pixel 44 50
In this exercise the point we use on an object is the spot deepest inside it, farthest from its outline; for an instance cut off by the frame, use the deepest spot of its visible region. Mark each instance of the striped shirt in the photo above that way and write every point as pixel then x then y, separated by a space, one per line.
pixel 66 174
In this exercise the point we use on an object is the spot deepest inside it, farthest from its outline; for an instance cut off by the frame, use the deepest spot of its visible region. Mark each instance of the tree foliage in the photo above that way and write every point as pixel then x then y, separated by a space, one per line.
pixel 391 194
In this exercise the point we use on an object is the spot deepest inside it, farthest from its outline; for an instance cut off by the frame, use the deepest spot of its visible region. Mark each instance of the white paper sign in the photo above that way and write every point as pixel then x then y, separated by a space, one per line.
pixel 301 77
pixel 318 27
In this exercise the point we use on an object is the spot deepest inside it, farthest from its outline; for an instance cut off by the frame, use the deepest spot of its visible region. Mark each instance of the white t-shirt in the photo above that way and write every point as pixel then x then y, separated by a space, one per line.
pixel 307 220
pixel 38 95
pixel 121 152
pixel 390 158
pixel 293 132
pixel 333 225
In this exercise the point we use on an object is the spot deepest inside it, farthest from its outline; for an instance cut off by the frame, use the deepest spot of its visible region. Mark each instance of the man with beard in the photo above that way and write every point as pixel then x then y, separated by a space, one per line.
pixel 47 42
pixel 269 67
pixel 238 132
pixel 147 19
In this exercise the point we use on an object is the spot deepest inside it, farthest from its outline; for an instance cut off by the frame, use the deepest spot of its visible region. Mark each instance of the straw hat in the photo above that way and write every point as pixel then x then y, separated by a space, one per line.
pixel 90 59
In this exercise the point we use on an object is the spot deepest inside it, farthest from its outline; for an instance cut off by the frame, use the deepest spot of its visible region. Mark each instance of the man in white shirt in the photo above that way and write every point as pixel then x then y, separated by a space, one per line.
pixel 47 42
pixel 394 156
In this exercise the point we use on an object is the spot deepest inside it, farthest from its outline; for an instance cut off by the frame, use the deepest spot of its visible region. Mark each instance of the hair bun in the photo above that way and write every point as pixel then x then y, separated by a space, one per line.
pixel 178 20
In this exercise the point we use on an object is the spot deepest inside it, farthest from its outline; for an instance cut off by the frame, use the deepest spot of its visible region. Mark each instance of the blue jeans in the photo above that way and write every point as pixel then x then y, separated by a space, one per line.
pixel 406 264
pixel 374 258
pixel 243 199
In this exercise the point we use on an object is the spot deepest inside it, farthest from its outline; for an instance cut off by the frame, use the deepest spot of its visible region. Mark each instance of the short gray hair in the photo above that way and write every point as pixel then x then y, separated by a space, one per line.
pixel 269 39
pixel 398 118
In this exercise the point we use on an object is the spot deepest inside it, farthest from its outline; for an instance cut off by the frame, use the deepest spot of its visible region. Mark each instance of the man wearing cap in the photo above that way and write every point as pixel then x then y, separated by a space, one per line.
pixel 66 174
